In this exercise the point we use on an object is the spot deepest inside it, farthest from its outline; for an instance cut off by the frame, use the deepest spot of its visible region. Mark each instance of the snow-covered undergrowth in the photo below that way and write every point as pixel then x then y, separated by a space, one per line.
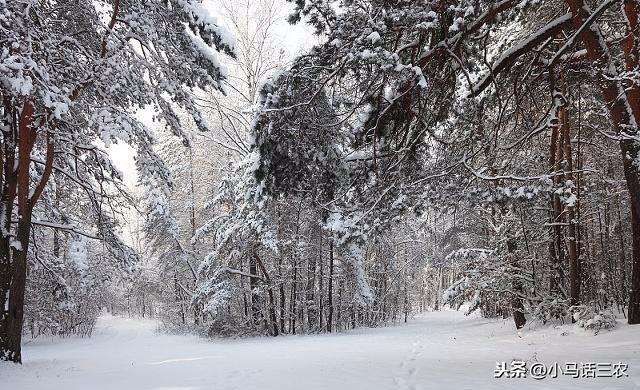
pixel 438 350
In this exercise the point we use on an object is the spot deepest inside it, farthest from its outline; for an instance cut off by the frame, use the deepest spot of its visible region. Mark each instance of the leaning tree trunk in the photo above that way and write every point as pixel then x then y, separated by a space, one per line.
pixel 272 303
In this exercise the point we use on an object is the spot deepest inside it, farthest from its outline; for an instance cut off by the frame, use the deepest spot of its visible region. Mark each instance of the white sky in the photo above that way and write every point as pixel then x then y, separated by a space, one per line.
pixel 294 40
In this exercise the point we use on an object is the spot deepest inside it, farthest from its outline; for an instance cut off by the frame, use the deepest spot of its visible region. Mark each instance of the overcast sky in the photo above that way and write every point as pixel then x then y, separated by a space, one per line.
pixel 294 40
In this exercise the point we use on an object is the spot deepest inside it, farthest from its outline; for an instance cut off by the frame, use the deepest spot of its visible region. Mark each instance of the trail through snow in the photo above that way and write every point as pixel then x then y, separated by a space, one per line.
pixel 438 350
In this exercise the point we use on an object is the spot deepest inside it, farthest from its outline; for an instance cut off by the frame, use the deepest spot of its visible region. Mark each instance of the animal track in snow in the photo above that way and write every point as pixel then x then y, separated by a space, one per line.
pixel 407 378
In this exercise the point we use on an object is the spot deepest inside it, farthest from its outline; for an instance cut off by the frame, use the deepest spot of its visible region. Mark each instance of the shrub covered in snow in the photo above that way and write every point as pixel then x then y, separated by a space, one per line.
pixel 551 309
pixel 590 319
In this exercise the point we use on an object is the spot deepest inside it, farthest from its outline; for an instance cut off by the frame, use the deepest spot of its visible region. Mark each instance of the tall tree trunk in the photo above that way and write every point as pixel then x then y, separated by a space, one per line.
pixel 197 308
pixel 310 294
pixel 14 252
pixel 8 195
pixel 245 301
pixel 556 252
pixel 178 297
pixel 9 188
pixel 15 318
pixel 293 301
pixel 634 298
pixel 293 310
pixel 283 296
pixel 330 288
pixel 272 302
pixel 321 289
pixel 516 284
pixel 624 108
pixel 256 313
pixel 572 245
pixel 630 150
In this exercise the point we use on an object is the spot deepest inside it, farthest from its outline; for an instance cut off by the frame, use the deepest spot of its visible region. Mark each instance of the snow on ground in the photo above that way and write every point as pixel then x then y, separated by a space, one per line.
pixel 438 350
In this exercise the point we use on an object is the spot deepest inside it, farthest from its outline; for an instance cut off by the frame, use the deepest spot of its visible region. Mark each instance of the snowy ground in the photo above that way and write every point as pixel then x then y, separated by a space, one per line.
pixel 441 350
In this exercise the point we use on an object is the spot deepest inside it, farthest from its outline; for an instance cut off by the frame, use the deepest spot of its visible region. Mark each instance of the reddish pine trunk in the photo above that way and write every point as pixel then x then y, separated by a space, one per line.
pixel 13 252
pixel 632 61
pixel 624 108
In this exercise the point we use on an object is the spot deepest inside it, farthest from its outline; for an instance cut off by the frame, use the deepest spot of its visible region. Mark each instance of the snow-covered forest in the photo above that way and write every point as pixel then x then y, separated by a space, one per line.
pixel 183 180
